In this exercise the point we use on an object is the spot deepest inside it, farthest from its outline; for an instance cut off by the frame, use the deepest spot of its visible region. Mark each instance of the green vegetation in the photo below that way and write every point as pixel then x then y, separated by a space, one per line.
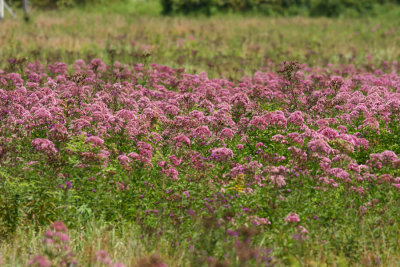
pixel 230 46
pixel 329 8
pixel 52 4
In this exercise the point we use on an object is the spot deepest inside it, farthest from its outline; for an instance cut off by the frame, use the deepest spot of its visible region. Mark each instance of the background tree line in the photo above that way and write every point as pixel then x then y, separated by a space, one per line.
pixel 329 8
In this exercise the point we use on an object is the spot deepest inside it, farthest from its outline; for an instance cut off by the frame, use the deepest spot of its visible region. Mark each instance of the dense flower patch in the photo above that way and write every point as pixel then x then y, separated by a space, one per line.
pixel 296 150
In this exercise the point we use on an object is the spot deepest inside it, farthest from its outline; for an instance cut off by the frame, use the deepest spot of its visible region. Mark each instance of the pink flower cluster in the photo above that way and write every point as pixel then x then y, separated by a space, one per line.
pixel 292 217
pixel 44 145
pixel 103 257
pixel 222 154
pixel 261 132
pixel 56 249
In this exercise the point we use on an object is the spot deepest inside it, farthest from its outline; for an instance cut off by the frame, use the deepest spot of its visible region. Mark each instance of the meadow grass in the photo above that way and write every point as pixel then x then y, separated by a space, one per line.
pixel 123 243
pixel 230 46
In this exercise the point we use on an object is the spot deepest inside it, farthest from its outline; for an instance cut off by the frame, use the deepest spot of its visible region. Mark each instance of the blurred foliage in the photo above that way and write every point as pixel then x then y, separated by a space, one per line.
pixel 63 3
pixel 330 8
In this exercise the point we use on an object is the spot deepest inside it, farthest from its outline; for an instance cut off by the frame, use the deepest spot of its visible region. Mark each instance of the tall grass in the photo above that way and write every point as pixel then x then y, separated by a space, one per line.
pixel 231 46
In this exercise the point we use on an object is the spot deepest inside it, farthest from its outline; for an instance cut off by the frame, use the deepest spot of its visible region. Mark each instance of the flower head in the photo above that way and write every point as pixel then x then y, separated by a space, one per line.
pixel 292 217
pixel 40 261
pixel 222 154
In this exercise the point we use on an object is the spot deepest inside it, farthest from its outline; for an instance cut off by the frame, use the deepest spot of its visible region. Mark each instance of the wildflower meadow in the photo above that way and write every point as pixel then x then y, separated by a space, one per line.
pixel 110 162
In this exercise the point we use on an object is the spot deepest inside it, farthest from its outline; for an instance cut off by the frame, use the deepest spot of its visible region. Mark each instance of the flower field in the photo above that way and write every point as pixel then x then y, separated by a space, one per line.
pixel 129 138
pixel 299 165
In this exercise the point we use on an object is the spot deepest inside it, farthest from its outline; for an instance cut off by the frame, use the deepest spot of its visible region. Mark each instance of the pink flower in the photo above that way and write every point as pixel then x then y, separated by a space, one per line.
pixel 95 140
pixel 371 122
pixel 222 154
pixel 126 114
pixel 42 115
pixel 102 256
pixel 259 221
pixel 172 173
pixel 161 163
pixel 255 165
pixel 329 132
pixel 182 139
pixel 44 145
pixel 79 124
pixel 134 155
pixel 396 163
pixel 239 146
pixel 258 122
pixel 325 164
pixel 396 185
pixel 322 123
pixel 40 261
pixel 388 156
pixel 59 226
pixel 59 131
pixel 292 217
pixel 319 146
pixel 124 160
pixel 238 169
pixel 302 230
pixel 227 133
pixel 279 138
pixel 240 99
pixel 172 110
pixel 63 237
pixel 342 129
pixel 340 173
pixel 202 132
pixel 260 144
pixel 386 177
pixel 296 118
pixel 244 138
pixel 175 160
pixel 275 118
pixel 144 149
pixel 278 180
pixel 186 194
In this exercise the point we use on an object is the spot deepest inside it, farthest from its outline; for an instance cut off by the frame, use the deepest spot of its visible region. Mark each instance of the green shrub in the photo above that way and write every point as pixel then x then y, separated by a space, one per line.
pixel 330 8
pixel 67 3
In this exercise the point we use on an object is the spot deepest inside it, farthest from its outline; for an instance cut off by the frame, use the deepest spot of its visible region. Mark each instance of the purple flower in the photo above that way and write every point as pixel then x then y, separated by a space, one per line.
pixel 191 212
pixel 231 232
